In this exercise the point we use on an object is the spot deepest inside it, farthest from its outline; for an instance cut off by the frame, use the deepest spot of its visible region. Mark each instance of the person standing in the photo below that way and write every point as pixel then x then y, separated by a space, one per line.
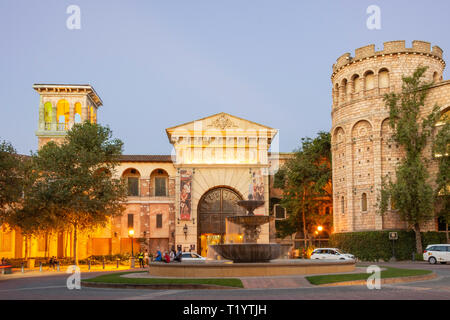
pixel 141 259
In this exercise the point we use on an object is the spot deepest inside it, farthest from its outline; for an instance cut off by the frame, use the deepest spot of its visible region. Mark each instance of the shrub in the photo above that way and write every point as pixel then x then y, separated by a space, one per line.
pixel 375 245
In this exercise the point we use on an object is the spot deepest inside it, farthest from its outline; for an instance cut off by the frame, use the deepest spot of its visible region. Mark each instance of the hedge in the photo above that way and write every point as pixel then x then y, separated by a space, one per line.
pixel 376 246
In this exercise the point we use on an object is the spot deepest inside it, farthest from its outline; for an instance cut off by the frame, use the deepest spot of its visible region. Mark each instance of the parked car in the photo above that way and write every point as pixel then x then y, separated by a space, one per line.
pixel 331 254
pixel 192 257
pixel 437 253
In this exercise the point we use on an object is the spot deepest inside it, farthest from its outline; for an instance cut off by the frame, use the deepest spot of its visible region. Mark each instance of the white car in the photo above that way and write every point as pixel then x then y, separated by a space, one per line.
pixel 437 253
pixel 192 257
pixel 331 254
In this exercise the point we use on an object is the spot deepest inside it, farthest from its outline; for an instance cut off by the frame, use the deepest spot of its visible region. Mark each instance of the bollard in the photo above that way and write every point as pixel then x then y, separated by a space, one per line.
pixel 58 266
pixel 413 256
pixel 103 263
pixel 117 263
pixel 40 266
pixel 89 265
pixel 22 267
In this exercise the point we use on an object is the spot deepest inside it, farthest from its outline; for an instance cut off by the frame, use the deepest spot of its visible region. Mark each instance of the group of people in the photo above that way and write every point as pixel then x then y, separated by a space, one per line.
pixel 168 257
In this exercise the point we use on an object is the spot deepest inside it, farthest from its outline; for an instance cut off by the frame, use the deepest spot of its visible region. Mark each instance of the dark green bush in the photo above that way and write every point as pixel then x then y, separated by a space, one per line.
pixel 375 245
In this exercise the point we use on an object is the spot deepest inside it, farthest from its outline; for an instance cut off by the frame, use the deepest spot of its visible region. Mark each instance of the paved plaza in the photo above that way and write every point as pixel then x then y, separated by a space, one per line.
pixel 52 285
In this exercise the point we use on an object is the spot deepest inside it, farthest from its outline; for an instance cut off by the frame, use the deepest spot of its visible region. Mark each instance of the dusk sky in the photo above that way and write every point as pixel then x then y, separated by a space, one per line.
pixel 157 64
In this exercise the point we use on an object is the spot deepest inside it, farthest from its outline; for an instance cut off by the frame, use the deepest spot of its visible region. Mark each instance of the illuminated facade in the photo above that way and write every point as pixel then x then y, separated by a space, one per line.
pixel 174 201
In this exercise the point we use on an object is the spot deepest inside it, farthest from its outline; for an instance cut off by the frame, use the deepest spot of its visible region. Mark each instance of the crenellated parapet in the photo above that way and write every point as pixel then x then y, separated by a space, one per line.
pixel 390 48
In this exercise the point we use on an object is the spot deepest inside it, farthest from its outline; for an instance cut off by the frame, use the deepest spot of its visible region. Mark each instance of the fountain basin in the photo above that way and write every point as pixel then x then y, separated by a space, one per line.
pixel 249 220
pixel 248 252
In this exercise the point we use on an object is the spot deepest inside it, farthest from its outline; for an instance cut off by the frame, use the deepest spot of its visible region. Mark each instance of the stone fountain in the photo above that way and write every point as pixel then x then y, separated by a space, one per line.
pixel 250 250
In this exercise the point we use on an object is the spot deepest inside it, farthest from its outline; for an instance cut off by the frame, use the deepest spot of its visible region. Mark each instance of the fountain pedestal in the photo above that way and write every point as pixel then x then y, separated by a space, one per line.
pixel 250 250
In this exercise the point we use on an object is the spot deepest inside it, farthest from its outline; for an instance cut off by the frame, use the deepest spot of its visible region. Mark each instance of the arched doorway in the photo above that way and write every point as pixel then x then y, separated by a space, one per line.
pixel 213 209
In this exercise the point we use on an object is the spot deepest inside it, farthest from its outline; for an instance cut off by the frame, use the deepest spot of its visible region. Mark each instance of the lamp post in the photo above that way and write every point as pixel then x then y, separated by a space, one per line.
pixel 319 230
pixel 131 233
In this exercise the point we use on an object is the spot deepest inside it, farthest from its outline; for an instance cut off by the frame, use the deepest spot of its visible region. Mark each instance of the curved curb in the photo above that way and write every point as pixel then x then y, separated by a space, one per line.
pixel 154 286
pixel 383 281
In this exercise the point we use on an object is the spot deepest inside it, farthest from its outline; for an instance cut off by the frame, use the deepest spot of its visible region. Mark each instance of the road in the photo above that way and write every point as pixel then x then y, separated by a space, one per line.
pixel 53 287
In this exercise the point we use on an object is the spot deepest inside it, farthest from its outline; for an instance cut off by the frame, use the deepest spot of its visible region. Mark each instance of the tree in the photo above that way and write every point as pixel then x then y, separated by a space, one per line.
pixel 412 191
pixel 441 150
pixel 306 182
pixel 74 189
pixel 10 178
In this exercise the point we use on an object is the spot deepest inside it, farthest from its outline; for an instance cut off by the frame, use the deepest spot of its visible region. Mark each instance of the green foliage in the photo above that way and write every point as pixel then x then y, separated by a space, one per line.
pixel 375 245
pixel 70 185
pixel 305 180
pixel 11 178
pixel 441 150
pixel 388 273
pixel 411 191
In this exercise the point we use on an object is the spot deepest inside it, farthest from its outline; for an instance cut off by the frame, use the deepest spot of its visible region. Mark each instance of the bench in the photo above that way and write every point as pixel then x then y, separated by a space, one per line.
pixel 5 269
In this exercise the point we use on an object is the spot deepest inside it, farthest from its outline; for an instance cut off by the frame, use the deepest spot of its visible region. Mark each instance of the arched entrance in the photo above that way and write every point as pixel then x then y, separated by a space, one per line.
pixel 213 209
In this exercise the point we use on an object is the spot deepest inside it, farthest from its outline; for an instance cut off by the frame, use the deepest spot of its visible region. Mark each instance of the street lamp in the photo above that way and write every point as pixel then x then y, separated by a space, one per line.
pixel 319 230
pixel 185 230
pixel 131 233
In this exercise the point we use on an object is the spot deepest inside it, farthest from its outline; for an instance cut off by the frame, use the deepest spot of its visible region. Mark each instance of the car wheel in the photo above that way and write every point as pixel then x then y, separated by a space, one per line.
pixel 432 260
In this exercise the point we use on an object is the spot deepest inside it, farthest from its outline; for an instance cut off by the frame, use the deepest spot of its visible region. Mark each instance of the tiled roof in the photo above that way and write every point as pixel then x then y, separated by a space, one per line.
pixel 145 158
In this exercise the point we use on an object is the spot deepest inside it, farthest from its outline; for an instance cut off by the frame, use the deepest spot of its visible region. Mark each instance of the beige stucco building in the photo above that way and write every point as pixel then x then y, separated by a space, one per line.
pixel 362 150
pixel 175 201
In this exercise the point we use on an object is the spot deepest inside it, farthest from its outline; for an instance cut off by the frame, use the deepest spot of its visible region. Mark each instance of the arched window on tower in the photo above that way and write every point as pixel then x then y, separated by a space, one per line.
pixel 48 111
pixel 344 90
pixel 383 78
pixel 369 80
pixel 342 205
pixel 62 115
pixel 436 77
pixel 77 116
pixel 364 202
pixel 356 84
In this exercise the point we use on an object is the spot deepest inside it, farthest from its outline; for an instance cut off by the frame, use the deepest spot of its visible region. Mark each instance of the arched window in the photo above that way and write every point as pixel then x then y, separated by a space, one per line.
pixel 77 117
pixel 436 77
pixel 369 80
pixel 342 205
pixel 336 93
pixel 383 78
pixel 344 89
pixel 159 181
pixel 356 83
pixel 131 176
pixel 48 111
pixel 62 114
pixel 364 202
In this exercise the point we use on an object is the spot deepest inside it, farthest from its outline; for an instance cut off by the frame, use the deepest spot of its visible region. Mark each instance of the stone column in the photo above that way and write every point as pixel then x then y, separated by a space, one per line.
pixel 84 110
pixel 377 176
pixel 349 212
pixel 71 114
pixel 54 123
pixel 41 124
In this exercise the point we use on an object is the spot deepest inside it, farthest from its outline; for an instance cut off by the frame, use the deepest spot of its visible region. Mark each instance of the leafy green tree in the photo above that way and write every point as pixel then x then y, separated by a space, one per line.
pixel 441 150
pixel 412 191
pixel 306 183
pixel 10 178
pixel 74 189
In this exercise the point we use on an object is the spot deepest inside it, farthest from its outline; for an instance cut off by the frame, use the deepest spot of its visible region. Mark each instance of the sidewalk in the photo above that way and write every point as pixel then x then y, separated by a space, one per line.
pixel 46 271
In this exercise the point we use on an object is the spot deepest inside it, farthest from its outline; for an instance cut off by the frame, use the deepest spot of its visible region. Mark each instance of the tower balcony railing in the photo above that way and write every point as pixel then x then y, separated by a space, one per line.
pixel 64 126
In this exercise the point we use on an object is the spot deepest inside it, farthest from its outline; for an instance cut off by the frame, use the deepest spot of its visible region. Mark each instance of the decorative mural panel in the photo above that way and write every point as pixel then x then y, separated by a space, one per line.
pixel 256 188
pixel 185 194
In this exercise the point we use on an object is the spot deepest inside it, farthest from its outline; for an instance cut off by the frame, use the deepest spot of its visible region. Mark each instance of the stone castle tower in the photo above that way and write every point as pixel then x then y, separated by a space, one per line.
pixel 362 150
pixel 63 105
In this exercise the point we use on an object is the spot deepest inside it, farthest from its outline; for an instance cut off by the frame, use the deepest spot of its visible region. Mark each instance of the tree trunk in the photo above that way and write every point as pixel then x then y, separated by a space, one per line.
pixel 26 247
pixel 75 254
pixel 304 219
pixel 419 249
pixel 446 232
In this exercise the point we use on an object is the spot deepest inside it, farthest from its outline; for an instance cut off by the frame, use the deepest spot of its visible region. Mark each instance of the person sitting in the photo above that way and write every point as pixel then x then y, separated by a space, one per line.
pixel 158 256
pixel 178 256
pixel 166 257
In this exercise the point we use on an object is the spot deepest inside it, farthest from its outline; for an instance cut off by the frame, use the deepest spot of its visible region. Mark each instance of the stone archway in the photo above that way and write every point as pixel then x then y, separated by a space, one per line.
pixel 213 209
